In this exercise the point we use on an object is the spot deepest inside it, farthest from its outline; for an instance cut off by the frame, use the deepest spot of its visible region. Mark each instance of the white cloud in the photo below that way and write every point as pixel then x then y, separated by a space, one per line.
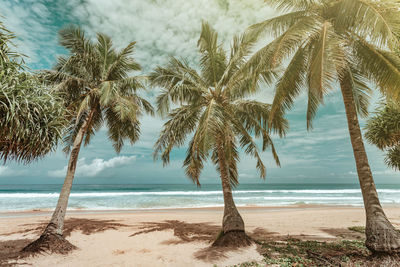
pixel 386 172
pixel 164 28
pixel 31 22
pixel 95 167
pixel 4 170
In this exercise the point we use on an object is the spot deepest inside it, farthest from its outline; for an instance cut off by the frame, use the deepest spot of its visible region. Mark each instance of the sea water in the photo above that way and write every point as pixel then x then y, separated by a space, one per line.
pixel 108 197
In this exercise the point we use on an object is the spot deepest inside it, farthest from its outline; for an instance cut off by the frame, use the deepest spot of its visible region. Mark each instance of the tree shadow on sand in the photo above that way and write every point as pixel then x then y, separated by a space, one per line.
pixel 196 232
pixel 10 250
pixel 343 248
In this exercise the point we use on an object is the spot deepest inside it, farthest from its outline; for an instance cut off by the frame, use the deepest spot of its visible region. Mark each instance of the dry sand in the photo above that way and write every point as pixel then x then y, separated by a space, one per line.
pixel 179 237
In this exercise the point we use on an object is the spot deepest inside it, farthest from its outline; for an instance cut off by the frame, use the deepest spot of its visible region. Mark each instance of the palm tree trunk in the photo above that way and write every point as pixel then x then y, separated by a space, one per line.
pixel 52 235
pixel 233 231
pixel 381 236
pixel 56 223
pixel 232 220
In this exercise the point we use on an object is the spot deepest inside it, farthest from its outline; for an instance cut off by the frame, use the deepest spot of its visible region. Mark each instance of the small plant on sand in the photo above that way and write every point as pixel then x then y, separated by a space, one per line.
pixel 212 107
pixel 358 229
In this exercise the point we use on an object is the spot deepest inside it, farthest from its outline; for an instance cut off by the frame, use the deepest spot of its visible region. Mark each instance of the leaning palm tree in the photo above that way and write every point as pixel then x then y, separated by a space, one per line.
pixel 341 42
pixel 31 116
pixel 97 87
pixel 212 106
pixel 383 131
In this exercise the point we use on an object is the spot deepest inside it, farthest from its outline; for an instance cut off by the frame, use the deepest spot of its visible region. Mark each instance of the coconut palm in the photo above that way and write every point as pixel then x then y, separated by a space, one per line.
pixel 213 110
pixel 31 116
pixel 383 130
pixel 341 42
pixel 96 83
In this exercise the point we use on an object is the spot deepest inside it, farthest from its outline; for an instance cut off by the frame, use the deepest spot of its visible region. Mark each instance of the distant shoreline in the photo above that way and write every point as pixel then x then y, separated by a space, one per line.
pixel 218 209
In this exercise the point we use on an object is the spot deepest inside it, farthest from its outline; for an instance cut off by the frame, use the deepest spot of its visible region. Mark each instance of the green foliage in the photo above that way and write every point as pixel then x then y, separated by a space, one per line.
pixel 31 116
pixel 96 83
pixel 7 55
pixel 213 106
pixel 358 229
pixel 383 130
pixel 326 40
pixel 295 252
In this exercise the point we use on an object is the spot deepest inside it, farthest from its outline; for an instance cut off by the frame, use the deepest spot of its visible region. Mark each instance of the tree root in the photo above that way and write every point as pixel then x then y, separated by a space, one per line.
pixel 48 242
pixel 382 238
pixel 234 239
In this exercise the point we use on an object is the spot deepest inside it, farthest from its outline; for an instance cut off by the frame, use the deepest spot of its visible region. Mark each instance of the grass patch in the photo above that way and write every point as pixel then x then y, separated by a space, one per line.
pixel 290 252
pixel 361 229
pixel 295 252
pixel 358 229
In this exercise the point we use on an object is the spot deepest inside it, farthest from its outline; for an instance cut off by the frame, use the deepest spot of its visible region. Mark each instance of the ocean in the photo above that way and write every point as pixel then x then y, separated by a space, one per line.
pixel 109 197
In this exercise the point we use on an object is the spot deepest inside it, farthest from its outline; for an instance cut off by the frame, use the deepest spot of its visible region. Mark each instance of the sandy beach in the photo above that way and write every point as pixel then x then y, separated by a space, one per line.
pixel 176 237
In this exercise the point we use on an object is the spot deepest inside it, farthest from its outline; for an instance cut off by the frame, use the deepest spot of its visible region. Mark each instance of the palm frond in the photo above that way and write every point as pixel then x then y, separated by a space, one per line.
pixel 213 58
pixel 292 5
pixel 383 129
pixel 182 121
pixel 361 91
pixel 290 84
pixel 278 25
pixel 376 21
pixel 392 158
pixel 379 66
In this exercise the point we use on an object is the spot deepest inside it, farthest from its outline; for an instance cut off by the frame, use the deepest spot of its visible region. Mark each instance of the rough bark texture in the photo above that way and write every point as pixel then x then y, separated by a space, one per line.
pixel 381 236
pixel 233 233
pixel 52 239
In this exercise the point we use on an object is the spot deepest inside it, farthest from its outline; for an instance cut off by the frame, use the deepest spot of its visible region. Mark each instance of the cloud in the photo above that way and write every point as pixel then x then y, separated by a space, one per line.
pixel 386 172
pixel 34 24
pixel 4 170
pixel 164 28
pixel 95 167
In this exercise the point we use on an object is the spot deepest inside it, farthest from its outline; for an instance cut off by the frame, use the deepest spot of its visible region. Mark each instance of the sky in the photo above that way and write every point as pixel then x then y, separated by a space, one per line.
pixel 164 28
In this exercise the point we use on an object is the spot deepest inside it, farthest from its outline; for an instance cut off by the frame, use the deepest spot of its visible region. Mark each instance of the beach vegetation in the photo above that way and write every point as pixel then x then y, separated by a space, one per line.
pixel 31 115
pixel 99 89
pixel 383 131
pixel 213 107
pixel 346 44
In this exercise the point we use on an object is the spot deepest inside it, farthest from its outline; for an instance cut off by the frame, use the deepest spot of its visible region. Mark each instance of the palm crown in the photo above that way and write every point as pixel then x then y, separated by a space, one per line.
pixel 96 86
pixel 212 106
pixel 31 117
pixel 383 130
pixel 326 40
pixel 338 42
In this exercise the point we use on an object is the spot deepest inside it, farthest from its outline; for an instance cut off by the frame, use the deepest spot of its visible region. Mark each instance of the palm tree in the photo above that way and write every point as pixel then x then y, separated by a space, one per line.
pixel 383 131
pixel 31 116
pixel 345 42
pixel 95 83
pixel 212 106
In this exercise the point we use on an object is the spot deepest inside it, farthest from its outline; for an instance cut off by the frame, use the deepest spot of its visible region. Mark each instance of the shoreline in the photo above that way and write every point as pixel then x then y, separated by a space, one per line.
pixel 35 213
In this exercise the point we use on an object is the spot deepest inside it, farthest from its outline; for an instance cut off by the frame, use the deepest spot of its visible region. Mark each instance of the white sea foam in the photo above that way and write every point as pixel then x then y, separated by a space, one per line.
pixel 192 193
pixel 157 199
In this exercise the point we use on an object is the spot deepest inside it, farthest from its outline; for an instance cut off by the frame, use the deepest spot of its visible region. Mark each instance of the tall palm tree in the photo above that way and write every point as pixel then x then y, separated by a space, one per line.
pixel 338 42
pixel 383 130
pixel 213 110
pixel 97 87
pixel 31 116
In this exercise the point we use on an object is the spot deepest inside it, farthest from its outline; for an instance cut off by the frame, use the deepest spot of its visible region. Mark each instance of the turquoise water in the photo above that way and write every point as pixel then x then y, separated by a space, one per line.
pixel 104 197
